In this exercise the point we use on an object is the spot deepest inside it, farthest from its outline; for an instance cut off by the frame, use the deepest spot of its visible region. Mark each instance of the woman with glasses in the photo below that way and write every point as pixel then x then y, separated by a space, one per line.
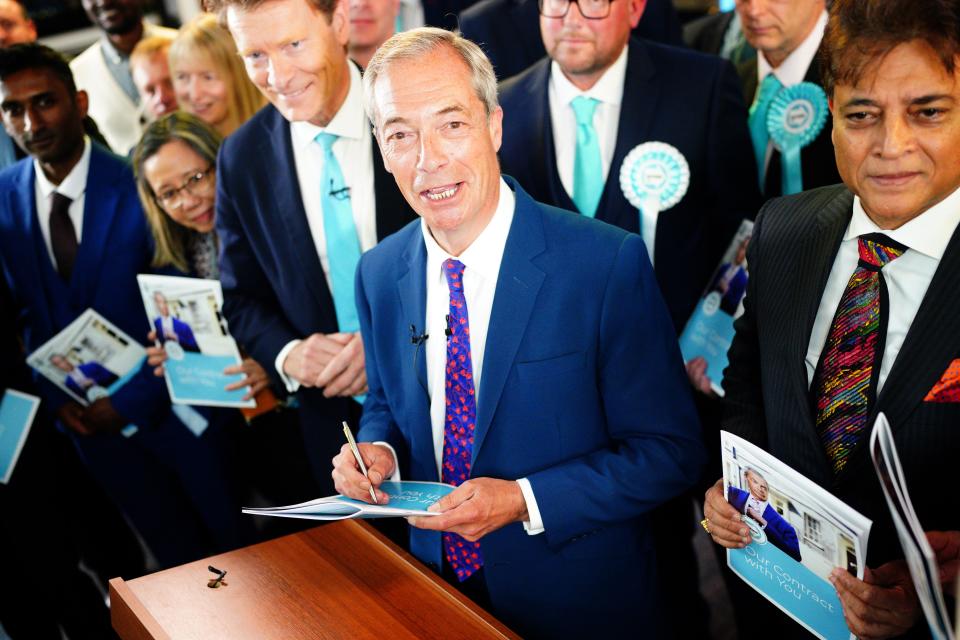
pixel 175 168
pixel 209 78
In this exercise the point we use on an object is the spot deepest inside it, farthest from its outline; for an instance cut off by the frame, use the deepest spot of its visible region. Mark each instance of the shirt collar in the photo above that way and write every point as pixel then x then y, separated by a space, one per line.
pixel 608 89
pixel 486 252
pixel 114 55
pixel 348 122
pixel 929 233
pixel 74 184
pixel 794 68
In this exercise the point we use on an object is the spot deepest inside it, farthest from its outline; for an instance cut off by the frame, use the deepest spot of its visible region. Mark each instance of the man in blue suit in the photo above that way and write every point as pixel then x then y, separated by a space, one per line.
pixel 641 92
pixel 84 377
pixel 172 328
pixel 520 353
pixel 301 192
pixel 753 503
pixel 73 236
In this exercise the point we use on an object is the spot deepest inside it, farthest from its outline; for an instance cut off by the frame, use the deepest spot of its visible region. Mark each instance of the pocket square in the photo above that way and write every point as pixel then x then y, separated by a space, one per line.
pixel 947 388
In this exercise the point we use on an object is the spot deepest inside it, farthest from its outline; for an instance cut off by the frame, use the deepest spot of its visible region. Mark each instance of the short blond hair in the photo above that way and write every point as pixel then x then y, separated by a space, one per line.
pixel 205 35
pixel 149 47
pixel 418 43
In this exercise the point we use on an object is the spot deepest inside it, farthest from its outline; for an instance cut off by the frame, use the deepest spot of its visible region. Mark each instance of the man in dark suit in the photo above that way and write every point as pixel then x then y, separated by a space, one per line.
pixel 753 503
pixel 73 236
pixel 719 34
pixel 786 36
pixel 82 378
pixel 509 31
pixel 851 304
pixel 301 191
pixel 646 93
pixel 172 328
pixel 561 436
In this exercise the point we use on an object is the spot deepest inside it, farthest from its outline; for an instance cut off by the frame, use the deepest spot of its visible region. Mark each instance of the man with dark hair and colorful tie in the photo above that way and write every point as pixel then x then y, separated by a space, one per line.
pixel 301 193
pixel 851 308
pixel 518 352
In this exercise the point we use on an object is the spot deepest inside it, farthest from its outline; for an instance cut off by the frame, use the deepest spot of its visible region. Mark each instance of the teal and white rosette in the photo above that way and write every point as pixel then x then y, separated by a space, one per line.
pixel 654 176
pixel 794 120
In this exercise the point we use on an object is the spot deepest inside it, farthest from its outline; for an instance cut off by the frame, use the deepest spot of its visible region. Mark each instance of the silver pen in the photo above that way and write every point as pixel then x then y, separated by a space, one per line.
pixel 356 454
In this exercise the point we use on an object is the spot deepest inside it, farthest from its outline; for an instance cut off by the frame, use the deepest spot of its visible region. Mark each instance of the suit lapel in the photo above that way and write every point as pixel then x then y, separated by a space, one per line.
pixel 288 205
pixel 518 283
pixel 747 71
pixel 543 159
pixel 33 251
pixel 101 202
pixel 412 291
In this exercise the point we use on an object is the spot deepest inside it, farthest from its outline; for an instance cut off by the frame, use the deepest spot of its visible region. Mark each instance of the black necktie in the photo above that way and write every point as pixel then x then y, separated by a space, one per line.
pixel 63 236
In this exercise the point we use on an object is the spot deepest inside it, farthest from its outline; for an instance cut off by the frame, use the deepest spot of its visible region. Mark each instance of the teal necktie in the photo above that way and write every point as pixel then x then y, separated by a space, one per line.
pixel 587 167
pixel 758 121
pixel 343 246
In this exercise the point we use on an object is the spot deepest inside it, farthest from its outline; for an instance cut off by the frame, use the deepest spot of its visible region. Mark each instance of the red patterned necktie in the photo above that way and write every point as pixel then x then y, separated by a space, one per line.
pixel 461 417
pixel 844 385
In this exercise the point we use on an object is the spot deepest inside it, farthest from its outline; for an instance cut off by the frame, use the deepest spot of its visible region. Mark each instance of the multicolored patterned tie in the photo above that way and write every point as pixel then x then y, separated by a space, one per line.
pixel 461 417
pixel 844 384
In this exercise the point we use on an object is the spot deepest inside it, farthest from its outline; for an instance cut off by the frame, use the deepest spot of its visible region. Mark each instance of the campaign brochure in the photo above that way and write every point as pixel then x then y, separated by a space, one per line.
pixel 800 534
pixel 709 332
pixel 920 557
pixel 186 315
pixel 406 499
pixel 17 411
pixel 90 359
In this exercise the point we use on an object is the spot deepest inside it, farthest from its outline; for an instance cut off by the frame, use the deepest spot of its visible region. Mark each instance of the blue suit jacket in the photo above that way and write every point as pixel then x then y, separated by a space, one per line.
pixel 115 247
pixel 100 375
pixel 687 99
pixel 184 333
pixel 779 532
pixel 583 393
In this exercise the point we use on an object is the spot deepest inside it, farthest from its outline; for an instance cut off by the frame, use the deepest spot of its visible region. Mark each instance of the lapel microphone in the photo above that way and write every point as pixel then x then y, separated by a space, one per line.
pixel 417 338
pixel 448 331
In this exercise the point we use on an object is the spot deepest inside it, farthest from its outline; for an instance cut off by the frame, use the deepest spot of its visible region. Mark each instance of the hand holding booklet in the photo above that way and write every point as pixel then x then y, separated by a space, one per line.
pixel 406 499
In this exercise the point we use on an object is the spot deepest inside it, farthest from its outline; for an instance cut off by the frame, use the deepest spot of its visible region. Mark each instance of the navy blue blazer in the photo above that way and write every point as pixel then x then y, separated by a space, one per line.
pixel 780 533
pixel 273 285
pixel 115 247
pixel 509 31
pixel 583 393
pixel 184 333
pixel 687 99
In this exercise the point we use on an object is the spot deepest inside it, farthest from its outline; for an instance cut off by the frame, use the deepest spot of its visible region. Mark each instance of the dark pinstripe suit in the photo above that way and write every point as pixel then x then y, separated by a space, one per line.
pixel 794 244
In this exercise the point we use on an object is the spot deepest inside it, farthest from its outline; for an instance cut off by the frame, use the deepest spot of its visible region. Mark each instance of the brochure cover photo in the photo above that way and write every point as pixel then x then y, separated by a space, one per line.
pixel 709 331
pixel 185 314
pixel 90 359
pixel 800 534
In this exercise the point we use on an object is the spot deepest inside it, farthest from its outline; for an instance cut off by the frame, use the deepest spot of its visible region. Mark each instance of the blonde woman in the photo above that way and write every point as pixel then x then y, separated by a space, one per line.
pixel 209 78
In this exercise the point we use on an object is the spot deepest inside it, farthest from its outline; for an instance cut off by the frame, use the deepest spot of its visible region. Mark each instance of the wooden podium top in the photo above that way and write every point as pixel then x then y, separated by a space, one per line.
pixel 339 580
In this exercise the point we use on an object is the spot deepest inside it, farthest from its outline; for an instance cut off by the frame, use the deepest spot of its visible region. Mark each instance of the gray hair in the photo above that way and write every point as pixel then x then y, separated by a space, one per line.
pixel 417 43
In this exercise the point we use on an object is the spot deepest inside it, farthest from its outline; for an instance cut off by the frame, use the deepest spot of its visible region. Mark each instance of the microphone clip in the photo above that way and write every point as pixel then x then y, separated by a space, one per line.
pixel 417 338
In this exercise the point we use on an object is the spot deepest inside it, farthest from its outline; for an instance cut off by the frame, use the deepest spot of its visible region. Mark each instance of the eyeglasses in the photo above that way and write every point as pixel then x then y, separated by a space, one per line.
pixel 198 184
pixel 589 9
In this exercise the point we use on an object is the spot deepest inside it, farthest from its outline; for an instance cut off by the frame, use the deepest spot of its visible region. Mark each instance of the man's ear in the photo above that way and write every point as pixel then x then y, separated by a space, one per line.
pixel 340 22
pixel 83 103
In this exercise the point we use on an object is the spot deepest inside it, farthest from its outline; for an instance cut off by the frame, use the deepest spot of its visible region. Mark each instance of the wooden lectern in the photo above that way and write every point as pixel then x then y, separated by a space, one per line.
pixel 340 580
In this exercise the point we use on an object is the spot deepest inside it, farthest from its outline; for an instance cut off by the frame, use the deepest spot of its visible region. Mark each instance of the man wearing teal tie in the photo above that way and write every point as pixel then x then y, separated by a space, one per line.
pixel 301 193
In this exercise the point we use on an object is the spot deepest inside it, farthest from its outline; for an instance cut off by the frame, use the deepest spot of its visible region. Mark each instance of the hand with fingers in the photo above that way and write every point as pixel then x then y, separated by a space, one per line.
pixel 477 507
pixel 254 377
pixel 722 521
pixel 946 547
pixel 882 605
pixel 156 354
pixel 349 480
pixel 697 374
pixel 345 373
pixel 310 357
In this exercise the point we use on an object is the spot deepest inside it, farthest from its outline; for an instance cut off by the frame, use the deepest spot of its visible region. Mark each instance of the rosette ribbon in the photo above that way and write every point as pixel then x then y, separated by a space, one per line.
pixel 795 118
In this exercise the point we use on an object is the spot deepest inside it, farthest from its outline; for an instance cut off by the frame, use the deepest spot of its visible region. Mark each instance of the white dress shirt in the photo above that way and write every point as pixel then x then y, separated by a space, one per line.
pixel 606 118
pixel 354 152
pixel 907 277
pixel 794 68
pixel 74 186
pixel 482 268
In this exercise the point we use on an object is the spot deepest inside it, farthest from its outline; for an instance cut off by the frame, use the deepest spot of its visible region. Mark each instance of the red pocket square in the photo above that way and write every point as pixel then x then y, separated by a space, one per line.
pixel 948 388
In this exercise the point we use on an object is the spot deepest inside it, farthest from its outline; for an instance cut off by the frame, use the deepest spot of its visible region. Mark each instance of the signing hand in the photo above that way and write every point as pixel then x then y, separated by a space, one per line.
pixel 307 360
pixel 882 605
pixel 697 373
pixel 254 377
pixel 347 477
pixel 726 527
pixel 477 507
pixel 156 355
pixel 946 545
pixel 345 374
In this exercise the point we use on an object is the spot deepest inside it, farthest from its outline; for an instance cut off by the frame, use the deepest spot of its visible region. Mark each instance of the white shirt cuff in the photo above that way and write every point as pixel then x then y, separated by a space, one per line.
pixel 535 525
pixel 291 384
pixel 395 476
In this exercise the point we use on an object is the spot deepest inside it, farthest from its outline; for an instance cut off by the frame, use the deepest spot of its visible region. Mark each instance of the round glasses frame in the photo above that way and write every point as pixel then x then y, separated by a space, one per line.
pixel 589 9
pixel 196 185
